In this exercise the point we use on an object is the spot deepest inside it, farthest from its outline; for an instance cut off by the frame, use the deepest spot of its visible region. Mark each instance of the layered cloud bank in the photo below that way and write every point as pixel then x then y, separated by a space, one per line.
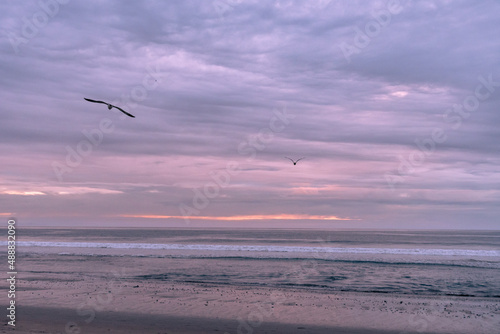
pixel 393 104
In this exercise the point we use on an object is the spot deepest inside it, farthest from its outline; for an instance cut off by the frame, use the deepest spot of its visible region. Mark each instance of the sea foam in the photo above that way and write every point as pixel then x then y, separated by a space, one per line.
pixel 267 248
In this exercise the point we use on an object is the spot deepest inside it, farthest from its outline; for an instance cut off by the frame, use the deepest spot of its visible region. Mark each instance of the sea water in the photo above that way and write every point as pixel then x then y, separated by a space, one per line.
pixel 457 263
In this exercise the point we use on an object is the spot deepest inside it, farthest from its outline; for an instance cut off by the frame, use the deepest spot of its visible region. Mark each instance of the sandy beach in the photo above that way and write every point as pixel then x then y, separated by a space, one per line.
pixel 79 294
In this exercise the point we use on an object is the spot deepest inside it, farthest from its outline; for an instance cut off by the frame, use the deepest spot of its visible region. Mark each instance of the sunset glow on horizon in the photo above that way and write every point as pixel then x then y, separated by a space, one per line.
pixel 249 217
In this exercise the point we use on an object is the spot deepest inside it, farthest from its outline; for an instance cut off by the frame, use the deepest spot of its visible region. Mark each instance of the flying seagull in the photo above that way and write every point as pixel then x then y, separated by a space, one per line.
pixel 110 106
pixel 294 162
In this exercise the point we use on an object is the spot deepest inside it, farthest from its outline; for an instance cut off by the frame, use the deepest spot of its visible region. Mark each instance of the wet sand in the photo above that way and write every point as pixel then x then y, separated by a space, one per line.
pixel 79 294
pixel 49 320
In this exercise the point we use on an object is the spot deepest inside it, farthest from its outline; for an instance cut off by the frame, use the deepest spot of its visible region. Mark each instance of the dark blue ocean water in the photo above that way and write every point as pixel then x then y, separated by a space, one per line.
pixel 459 263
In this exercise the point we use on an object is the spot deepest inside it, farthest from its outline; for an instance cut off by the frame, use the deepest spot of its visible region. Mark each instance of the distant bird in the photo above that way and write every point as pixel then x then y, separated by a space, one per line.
pixel 110 106
pixel 294 162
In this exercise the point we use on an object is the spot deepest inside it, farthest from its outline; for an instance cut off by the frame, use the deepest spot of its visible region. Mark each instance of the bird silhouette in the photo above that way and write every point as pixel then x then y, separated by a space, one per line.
pixel 294 162
pixel 110 106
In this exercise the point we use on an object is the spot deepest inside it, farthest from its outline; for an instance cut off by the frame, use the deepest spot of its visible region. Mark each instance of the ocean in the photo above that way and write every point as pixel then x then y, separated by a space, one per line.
pixel 437 263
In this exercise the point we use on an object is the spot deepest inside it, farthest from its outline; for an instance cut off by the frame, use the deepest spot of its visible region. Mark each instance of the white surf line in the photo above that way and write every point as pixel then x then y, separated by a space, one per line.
pixel 255 248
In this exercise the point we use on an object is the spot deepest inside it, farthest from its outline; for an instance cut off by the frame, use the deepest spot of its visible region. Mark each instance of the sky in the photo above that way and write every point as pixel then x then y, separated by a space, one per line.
pixel 394 106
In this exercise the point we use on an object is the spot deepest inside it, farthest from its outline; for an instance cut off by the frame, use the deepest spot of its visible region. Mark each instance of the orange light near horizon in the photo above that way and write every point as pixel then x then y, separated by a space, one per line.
pixel 248 217
pixel 23 193
pixel 6 213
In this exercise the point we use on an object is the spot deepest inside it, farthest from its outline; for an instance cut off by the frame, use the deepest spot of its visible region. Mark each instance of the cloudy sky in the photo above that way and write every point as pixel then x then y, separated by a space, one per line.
pixel 393 104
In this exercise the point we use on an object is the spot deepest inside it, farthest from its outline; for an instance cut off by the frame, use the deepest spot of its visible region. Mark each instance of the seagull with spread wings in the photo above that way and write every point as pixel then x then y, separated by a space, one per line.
pixel 110 106
pixel 294 162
